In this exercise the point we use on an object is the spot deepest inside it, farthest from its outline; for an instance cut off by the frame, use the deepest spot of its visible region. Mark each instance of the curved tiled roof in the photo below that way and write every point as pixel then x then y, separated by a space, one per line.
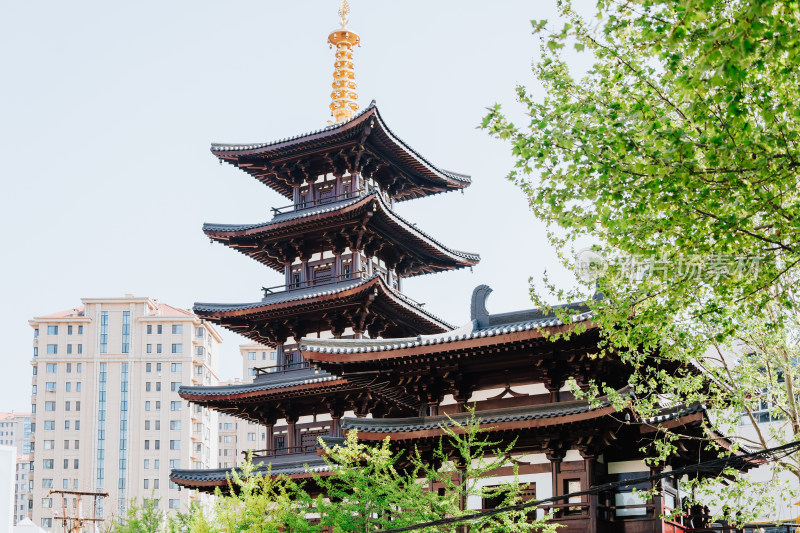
pixel 397 150
pixel 218 231
pixel 269 382
pixel 282 465
pixel 494 416
pixel 316 292
pixel 467 332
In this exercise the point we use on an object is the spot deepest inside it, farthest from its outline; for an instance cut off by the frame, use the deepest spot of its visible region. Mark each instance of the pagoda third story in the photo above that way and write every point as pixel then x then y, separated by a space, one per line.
pixel 343 250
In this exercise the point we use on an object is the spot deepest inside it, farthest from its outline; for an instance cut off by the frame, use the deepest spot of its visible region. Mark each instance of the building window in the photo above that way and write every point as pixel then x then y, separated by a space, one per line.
pixel 47 483
pixel 52 349
pixel 148 367
pixel 69 348
pixel 198 370
pixel 35 351
pixel 47 464
pixel 66 424
pixel 174 445
pixel 80 348
pixel 158 329
pixel 36 333
pixel 177 329
pixel 158 405
pixel 49 406
pixel 251 356
pixel 147 386
pixel 158 348
pixel 78 406
pixel 147 444
pixel 174 503
pixel 47 523
pixel 67 406
pixel 174 463
pixel 52 368
pixel 158 386
pixel 68 386
pixel 52 330
pixel 126 331
pixel 49 444
pixel 174 406
pixel 80 330
pixel 149 329
pixel 79 367
pixel 156 444
pixel 50 386
pixel 104 332
pixel 175 425
pixel 147 464
pixel 149 348
pixel 78 386
pixel 146 406
pixel 176 367
pixel 146 483
pixel 199 332
pixel 69 330
pixel 177 348
pixel 199 351
pixel 174 386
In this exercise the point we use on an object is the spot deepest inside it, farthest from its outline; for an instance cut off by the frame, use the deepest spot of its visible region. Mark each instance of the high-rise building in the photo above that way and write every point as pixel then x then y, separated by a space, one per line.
pixel 106 412
pixel 15 430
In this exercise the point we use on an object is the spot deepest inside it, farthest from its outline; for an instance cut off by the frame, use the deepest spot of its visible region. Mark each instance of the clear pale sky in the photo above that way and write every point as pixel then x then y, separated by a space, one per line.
pixel 107 111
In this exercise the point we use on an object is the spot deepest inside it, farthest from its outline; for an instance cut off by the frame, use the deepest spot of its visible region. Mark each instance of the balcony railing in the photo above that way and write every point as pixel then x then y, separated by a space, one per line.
pixel 315 203
pixel 277 452
pixel 288 367
pixel 328 280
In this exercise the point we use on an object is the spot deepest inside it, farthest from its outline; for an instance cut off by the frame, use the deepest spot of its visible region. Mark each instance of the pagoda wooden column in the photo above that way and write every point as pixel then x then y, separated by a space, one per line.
pixel 555 456
pixel 287 274
pixel 296 195
pixel 590 464
pixel 291 430
pixel 280 355
pixel 270 440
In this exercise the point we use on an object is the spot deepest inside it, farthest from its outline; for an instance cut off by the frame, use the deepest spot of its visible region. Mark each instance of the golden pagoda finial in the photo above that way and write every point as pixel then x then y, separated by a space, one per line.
pixel 344 99
pixel 344 10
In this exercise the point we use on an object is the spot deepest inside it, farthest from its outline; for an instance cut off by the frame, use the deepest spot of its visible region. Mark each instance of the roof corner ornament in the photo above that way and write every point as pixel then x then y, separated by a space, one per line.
pixel 344 99
pixel 477 308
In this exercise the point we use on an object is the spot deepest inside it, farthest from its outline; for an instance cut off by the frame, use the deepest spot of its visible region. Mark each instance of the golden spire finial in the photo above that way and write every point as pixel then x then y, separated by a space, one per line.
pixel 344 10
pixel 344 97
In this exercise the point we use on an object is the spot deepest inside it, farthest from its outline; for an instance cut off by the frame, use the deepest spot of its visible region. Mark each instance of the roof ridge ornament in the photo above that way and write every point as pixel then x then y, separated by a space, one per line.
pixel 344 99
pixel 478 311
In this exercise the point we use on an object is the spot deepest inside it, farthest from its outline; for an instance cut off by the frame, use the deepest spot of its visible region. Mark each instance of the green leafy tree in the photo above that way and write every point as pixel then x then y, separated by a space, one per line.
pixel 140 518
pixel 367 491
pixel 677 156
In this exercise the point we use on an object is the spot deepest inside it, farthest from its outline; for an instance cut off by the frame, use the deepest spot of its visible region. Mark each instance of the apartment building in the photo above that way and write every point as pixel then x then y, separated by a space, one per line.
pixel 15 430
pixel 106 412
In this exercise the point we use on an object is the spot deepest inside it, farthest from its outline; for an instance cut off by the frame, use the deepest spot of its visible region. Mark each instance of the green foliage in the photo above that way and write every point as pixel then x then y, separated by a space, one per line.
pixel 679 148
pixel 144 518
pixel 365 489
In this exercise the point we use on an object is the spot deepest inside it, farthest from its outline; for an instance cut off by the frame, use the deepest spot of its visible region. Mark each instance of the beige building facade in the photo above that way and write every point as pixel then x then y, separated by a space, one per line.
pixel 106 412
pixel 15 430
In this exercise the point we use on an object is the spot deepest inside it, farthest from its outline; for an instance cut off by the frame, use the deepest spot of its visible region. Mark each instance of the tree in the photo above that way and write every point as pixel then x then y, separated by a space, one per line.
pixel 144 518
pixel 366 489
pixel 677 155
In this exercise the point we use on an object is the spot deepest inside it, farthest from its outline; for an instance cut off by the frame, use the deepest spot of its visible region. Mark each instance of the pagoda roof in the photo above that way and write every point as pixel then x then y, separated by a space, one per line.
pixel 431 254
pixel 528 416
pixel 294 381
pixel 292 465
pixel 273 162
pixel 292 304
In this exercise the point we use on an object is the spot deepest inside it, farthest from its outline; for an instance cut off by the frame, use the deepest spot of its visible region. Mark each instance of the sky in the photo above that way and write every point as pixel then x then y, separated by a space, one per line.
pixel 108 109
